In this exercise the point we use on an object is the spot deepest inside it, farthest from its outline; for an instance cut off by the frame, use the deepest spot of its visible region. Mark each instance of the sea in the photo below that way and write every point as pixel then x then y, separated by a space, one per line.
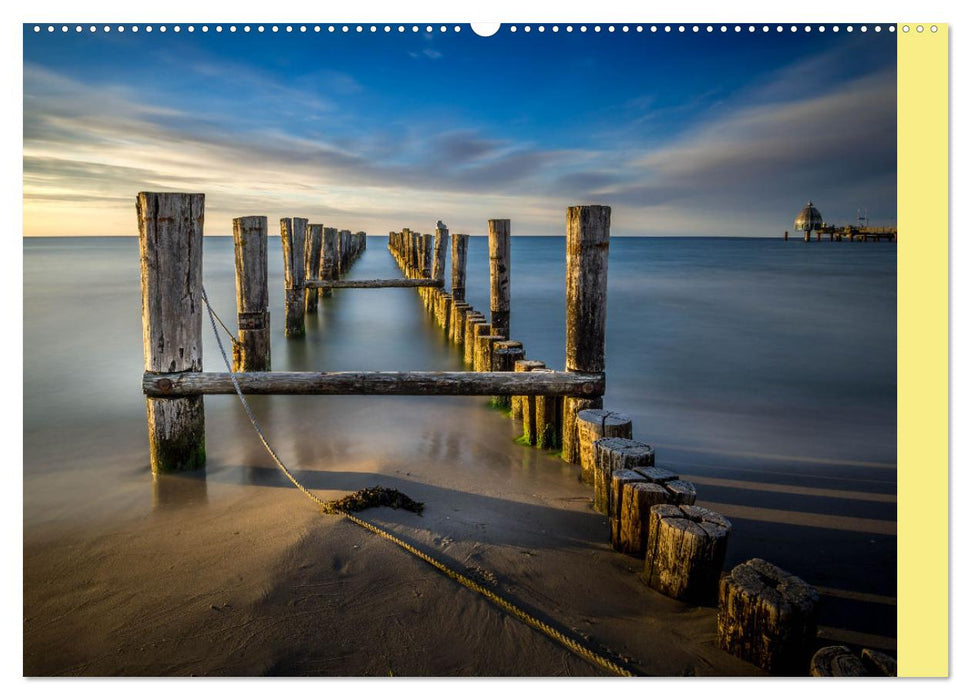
pixel 763 369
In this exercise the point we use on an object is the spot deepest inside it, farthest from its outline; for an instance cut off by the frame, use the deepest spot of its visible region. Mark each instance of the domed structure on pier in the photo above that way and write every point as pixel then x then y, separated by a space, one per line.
pixel 809 219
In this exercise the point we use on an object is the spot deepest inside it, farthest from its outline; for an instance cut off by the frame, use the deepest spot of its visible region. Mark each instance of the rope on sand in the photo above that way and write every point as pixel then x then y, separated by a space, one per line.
pixel 504 604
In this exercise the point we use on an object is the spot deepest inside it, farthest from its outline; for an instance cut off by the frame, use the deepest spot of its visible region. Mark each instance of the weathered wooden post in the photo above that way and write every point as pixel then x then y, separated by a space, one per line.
pixel 593 424
pixel 587 243
pixel 475 325
pixel 170 229
pixel 460 247
pixel 293 234
pixel 427 246
pixel 841 662
pixel 484 343
pixel 252 351
pixel 505 354
pixel 456 324
pixel 767 616
pixel 619 480
pixel 516 404
pixel 499 248
pixel 612 454
pixel 549 413
pixel 636 500
pixel 315 234
pixel 328 258
pixel 685 551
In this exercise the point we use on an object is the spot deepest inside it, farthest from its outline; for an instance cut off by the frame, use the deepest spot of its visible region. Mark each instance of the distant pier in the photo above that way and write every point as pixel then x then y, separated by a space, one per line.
pixel 849 233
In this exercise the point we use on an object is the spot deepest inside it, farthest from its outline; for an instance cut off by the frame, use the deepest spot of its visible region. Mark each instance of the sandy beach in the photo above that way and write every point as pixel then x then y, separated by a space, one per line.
pixel 251 580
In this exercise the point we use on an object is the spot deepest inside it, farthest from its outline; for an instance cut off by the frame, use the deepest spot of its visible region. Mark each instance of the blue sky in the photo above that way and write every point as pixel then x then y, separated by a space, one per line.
pixel 682 134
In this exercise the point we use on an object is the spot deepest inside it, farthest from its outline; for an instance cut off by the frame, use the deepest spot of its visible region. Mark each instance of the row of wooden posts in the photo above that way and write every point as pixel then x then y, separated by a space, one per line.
pixel 765 615
pixel 312 253
pixel 549 419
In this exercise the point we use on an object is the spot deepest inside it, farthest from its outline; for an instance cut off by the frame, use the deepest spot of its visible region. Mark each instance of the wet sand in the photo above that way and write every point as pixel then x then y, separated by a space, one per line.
pixel 226 579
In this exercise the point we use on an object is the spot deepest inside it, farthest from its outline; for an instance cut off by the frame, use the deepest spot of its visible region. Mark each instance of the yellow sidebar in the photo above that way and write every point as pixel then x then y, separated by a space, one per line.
pixel 922 350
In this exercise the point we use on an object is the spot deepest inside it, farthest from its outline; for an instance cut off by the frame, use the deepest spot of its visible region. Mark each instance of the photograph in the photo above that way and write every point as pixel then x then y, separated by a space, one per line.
pixel 435 350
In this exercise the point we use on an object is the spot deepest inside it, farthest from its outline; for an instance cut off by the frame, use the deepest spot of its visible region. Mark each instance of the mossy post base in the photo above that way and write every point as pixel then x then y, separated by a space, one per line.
pixel 176 434
pixel 170 248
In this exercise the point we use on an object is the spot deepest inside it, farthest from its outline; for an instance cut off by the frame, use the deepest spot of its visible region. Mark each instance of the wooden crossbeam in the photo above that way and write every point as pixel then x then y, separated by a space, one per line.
pixel 377 383
pixel 373 284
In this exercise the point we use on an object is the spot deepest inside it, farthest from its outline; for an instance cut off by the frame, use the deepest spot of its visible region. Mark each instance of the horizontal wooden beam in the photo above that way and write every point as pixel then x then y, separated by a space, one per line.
pixel 373 284
pixel 377 383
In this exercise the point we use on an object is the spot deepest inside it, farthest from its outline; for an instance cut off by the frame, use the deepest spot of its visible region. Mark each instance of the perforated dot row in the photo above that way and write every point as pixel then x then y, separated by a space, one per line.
pixel 513 28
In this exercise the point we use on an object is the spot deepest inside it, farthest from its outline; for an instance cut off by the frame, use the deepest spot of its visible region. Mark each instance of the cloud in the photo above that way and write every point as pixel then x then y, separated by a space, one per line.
pixel 744 166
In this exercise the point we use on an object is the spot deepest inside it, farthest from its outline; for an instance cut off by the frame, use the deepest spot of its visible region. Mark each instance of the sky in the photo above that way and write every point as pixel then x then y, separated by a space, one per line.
pixel 681 134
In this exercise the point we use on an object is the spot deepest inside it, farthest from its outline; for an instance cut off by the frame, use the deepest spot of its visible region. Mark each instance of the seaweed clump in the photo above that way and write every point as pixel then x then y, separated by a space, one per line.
pixel 373 497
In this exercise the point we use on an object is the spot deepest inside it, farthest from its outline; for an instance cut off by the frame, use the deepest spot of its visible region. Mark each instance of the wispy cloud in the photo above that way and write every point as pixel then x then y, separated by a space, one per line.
pixel 318 146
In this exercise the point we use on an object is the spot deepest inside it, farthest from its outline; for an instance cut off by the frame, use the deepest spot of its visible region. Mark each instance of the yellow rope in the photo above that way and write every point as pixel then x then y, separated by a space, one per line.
pixel 511 608
pixel 506 605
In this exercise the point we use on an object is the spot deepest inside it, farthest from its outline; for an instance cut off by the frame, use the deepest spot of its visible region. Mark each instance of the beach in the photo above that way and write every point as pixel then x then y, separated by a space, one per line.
pixel 779 406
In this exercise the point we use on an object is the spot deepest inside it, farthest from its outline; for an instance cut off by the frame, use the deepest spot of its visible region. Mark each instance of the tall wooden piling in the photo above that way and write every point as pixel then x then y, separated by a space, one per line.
pixel 499 276
pixel 251 352
pixel 293 234
pixel 315 234
pixel 460 247
pixel 587 243
pixel 170 247
pixel 328 258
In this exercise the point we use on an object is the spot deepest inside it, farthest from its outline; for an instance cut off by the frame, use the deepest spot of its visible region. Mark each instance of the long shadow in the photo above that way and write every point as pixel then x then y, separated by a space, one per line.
pixel 468 514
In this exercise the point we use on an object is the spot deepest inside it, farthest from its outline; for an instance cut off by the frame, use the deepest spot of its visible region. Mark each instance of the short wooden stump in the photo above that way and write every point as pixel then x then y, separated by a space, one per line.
pixel 767 617
pixel 593 424
pixel 613 454
pixel 685 551
pixel 841 662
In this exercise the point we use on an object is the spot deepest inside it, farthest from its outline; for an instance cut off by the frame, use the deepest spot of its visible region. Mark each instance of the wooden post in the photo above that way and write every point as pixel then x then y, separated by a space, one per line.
pixel 475 325
pixel 685 551
pixel 460 246
pixel 593 424
pixel 483 351
pixel 618 482
pixel 456 324
pixel 636 500
pixel 516 404
pixel 315 234
pixel 587 243
pixel 328 258
pixel 499 258
pixel 505 354
pixel 613 454
pixel 441 251
pixel 293 234
pixel 545 412
pixel 170 248
pixel 252 351
pixel 427 248
pixel 841 662
pixel 767 616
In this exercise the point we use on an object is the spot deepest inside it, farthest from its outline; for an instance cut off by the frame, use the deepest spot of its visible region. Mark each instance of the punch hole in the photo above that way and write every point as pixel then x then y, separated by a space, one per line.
pixel 934 28
pixel 920 28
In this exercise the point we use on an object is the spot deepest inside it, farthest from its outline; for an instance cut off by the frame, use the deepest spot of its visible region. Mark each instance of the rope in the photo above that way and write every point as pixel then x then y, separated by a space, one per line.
pixel 228 332
pixel 508 606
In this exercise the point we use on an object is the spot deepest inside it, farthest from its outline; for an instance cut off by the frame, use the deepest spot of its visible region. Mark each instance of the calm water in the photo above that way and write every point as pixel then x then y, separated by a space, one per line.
pixel 740 359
